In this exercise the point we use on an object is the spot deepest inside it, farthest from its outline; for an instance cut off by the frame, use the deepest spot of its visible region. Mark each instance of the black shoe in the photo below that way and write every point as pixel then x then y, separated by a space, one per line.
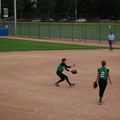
pixel 57 84
pixel 72 84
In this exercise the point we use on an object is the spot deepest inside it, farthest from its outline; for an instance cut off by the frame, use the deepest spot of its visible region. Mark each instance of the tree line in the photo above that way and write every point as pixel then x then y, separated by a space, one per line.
pixel 102 9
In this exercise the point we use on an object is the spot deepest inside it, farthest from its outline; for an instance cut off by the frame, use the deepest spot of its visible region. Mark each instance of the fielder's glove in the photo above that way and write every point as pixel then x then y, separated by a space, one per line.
pixel 74 71
pixel 95 84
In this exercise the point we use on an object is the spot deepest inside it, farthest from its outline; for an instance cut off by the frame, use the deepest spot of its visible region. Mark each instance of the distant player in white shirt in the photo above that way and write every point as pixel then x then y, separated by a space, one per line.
pixel 111 38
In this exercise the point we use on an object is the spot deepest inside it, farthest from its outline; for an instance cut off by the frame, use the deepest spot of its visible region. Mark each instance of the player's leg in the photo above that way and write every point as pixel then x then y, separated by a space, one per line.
pixel 102 87
pixel 64 77
pixel 100 91
pixel 67 79
pixel 61 76
pixel 110 44
pixel 104 84
pixel 57 83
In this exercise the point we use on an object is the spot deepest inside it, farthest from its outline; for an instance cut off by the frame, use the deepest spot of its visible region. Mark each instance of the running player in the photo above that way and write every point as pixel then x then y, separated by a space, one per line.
pixel 102 75
pixel 59 71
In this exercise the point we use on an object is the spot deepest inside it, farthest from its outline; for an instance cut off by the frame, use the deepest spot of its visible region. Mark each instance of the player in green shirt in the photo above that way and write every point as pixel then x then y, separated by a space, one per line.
pixel 59 71
pixel 102 75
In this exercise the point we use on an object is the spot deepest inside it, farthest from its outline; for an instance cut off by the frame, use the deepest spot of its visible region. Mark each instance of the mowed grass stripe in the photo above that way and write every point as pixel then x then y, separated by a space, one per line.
pixel 7 45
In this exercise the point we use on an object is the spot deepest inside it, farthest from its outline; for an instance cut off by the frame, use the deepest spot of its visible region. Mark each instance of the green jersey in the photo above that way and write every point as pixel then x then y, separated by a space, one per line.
pixel 62 66
pixel 103 73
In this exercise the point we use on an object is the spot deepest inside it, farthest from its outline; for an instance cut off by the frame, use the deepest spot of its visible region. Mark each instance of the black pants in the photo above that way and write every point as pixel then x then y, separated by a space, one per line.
pixel 102 86
pixel 62 76
pixel 110 44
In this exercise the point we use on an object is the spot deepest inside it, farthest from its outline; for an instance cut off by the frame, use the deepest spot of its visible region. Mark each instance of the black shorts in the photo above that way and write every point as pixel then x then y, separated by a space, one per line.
pixel 102 82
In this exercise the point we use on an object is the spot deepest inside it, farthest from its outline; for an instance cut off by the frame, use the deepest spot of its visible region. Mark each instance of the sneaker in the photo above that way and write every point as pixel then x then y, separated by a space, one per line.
pixel 72 84
pixel 100 103
pixel 57 84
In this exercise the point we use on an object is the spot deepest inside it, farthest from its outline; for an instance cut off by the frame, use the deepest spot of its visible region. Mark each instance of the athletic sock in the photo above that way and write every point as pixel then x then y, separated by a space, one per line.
pixel 100 100
pixel 59 81
pixel 68 82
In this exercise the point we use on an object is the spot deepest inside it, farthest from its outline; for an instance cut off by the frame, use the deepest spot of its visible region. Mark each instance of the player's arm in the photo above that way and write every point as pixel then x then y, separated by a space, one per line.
pixel 97 77
pixel 66 67
pixel 109 78
pixel 69 66
pixel 73 65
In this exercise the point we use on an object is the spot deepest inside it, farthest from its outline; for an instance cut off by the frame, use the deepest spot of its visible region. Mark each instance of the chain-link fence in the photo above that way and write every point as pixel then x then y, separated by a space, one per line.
pixel 81 30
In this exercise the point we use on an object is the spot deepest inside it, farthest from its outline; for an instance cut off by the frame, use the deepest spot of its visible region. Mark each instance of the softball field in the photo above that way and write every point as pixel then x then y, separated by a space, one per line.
pixel 27 90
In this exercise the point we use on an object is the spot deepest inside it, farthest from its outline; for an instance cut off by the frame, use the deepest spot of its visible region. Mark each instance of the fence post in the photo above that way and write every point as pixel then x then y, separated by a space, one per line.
pixel 29 30
pixel 20 29
pixel 85 31
pixel 115 33
pixel 49 30
pixel 39 30
pixel 100 32
pixel 60 30
pixel 72 31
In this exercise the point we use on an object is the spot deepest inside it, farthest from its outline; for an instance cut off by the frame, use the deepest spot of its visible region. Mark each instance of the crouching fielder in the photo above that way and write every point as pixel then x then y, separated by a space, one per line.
pixel 102 75
pixel 62 76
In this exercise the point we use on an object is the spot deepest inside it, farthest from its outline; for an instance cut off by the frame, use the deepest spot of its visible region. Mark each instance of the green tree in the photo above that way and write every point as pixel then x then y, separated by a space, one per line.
pixel 23 7
pixel 63 8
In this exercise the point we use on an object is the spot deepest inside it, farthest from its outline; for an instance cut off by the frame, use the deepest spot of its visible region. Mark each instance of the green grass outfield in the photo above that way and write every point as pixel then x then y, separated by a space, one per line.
pixel 88 31
pixel 7 45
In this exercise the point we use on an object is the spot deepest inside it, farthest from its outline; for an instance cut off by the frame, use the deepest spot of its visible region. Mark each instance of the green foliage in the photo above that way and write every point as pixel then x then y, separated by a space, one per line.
pixel 106 8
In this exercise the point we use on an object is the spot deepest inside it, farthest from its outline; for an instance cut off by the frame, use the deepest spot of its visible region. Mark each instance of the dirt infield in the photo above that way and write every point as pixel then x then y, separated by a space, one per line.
pixel 27 90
